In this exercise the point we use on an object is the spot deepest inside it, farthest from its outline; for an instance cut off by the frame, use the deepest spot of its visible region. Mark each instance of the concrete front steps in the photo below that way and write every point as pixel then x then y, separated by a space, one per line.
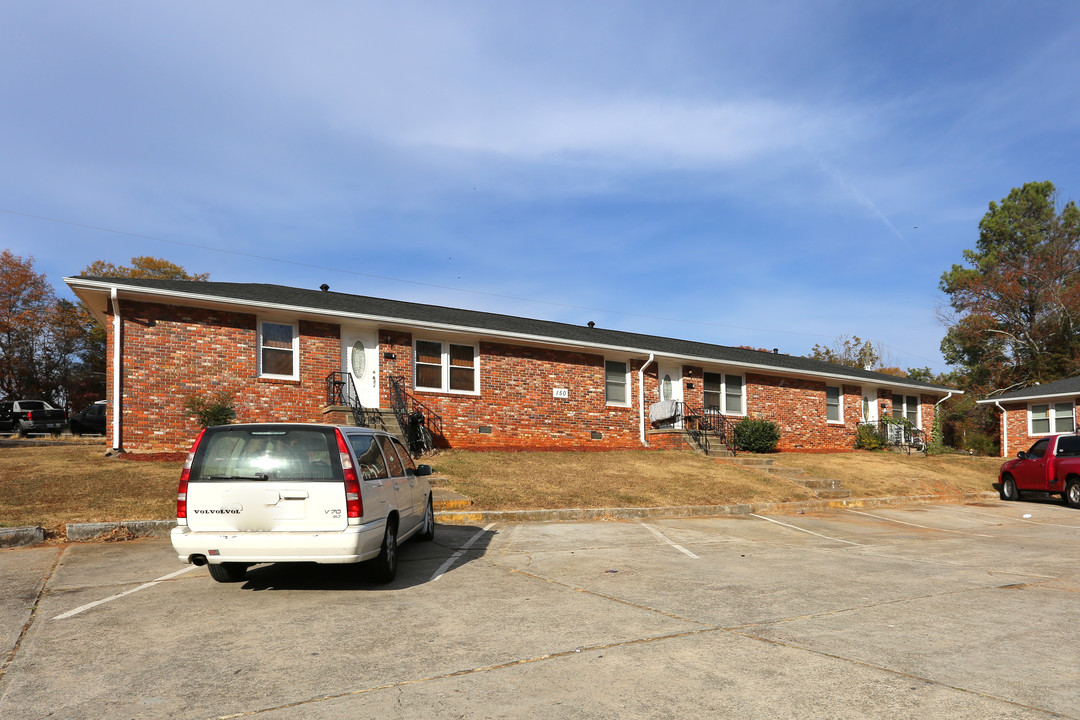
pixel 823 488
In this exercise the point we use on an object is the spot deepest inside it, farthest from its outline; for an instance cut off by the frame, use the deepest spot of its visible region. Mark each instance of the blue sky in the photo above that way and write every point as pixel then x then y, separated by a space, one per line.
pixel 773 174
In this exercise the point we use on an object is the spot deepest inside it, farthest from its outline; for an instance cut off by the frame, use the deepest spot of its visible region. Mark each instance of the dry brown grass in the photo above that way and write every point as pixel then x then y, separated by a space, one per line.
pixel 54 485
pixel 886 474
pixel 525 480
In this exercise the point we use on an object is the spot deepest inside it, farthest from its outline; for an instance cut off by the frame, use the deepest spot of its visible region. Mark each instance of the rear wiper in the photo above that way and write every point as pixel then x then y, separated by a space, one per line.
pixel 238 477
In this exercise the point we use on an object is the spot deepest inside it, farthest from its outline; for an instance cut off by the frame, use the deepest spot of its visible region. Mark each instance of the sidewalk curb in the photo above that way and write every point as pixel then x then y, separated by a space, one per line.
pixel 79 532
pixel 483 517
pixel 21 536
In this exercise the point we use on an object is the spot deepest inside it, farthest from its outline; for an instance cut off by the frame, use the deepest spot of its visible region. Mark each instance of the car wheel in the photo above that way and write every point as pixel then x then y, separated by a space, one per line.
pixel 1008 488
pixel 229 572
pixel 386 562
pixel 427 530
pixel 1072 494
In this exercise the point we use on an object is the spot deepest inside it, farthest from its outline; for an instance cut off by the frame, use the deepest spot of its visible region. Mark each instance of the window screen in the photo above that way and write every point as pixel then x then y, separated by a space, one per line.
pixel 428 364
pixel 1040 419
pixel 277 349
pixel 615 382
pixel 733 394
pixel 462 364
pixel 832 404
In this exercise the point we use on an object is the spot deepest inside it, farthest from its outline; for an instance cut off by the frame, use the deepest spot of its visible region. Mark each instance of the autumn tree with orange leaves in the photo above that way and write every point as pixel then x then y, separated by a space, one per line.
pixel 38 334
pixel 1015 306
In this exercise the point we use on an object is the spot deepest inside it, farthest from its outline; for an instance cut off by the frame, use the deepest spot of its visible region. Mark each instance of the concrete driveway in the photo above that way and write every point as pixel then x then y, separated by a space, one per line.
pixel 951 611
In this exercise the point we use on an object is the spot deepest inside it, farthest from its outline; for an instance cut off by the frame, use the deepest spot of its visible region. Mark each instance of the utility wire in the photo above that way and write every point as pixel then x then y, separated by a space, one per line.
pixel 483 293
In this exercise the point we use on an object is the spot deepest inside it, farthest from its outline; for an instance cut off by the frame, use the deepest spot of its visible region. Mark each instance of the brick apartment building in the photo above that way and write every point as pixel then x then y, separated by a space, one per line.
pixel 482 380
pixel 1035 412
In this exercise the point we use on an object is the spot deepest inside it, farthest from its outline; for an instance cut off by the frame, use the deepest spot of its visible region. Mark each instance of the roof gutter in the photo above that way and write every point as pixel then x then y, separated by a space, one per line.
pixel 641 397
pixel 117 403
pixel 257 306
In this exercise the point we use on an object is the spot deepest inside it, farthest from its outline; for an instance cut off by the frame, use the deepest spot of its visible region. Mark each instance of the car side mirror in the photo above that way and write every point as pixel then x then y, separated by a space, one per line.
pixel 423 470
pixel 1022 455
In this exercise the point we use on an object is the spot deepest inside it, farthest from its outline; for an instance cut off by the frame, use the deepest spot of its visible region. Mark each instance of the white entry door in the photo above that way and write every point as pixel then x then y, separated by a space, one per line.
pixel 869 405
pixel 671 385
pixel 360 358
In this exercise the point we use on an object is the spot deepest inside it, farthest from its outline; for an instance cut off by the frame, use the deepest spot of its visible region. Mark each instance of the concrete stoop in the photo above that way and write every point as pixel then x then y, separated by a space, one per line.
pixel 823 488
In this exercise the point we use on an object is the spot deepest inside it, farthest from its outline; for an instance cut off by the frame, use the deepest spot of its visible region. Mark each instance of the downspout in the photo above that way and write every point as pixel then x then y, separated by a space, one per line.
pixel 117 408
pixel 1004 429
pixel 936 414
pixel 641 397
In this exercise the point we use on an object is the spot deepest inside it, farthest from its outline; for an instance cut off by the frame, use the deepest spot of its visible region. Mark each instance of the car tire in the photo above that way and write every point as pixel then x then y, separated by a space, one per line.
pixel 1008 489
pixel 1072 494
pixel 76 429
pixel 228 572
pixel 385 564
pixel 427 527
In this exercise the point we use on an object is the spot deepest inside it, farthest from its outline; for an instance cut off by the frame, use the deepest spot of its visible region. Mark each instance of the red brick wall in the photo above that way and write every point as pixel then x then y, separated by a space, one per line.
pixel 171 353
pixel 1017 421
pixel 516 400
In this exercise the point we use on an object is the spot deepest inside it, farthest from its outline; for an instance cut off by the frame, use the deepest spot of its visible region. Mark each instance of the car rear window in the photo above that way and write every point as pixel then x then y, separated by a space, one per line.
pixel 267 454
pixel 32 405
pixel 1068 446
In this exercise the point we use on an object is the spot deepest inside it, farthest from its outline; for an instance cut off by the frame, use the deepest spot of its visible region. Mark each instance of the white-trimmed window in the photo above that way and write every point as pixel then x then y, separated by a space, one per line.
pixel 906 406
pixel 1047 418
pixel 279 350
pixel 616 382
pixel 834 404
pixel 446 366
pixel 724 394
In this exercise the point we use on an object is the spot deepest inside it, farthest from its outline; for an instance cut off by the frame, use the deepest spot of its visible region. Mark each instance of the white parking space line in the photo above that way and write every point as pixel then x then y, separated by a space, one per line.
pixel 152 583
pixel 999 516
pixel 663 537
pixel 810 532
pixel 924 527
pixel 454 558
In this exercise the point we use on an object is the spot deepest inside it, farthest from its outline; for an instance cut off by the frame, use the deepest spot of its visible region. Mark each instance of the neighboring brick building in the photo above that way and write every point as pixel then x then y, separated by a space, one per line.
pixel 1036 412
pixel 496 381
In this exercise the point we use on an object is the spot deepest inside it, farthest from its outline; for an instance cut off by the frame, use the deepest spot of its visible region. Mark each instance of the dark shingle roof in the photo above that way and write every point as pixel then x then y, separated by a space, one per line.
pixel 341 303
pixel 1066 387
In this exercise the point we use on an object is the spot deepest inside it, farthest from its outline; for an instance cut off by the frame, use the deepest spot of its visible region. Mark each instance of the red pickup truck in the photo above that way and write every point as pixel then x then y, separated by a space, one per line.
pixel 1051 465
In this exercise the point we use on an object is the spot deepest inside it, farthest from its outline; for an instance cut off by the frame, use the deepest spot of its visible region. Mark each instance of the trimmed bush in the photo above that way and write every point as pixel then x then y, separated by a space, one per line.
pixel 214 409
pixel 870 437
pixel 756 435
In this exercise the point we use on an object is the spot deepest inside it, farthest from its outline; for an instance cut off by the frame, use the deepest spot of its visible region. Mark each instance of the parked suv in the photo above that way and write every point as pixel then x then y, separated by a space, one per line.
pixel 276 492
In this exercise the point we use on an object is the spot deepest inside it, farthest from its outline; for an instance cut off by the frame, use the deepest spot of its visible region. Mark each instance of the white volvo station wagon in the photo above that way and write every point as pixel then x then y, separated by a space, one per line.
pixel 286 492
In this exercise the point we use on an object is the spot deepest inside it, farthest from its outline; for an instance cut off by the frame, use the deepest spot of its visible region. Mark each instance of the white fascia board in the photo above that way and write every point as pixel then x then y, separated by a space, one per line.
pixel 307 312
pixel 1029 398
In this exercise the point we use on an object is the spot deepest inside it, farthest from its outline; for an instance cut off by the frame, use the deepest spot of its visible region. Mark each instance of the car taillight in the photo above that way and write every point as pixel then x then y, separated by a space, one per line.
pixel 181 492
pixel 354 505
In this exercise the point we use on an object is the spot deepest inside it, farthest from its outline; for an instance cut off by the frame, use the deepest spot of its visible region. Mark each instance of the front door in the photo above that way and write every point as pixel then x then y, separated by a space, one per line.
pixel 671 386
pixel 360 358
pixel 869 405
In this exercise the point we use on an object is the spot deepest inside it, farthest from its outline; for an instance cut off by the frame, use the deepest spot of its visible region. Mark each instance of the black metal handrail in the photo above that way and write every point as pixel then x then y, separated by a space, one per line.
pixel 713 424
pixel 419 422
pixel 341 391
pixel 902 433
pixel 703 426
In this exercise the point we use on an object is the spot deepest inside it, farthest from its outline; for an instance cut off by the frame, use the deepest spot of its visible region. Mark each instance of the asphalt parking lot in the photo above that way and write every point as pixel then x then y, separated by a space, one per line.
pixel 941 611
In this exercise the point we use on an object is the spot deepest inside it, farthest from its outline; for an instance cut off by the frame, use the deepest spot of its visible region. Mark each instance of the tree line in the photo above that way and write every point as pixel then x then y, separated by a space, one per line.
pixel 53 349
pixel 1012 319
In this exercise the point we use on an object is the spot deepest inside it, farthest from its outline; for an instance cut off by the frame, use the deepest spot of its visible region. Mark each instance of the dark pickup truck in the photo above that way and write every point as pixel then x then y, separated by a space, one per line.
pixel 1051 465
pixel 31 416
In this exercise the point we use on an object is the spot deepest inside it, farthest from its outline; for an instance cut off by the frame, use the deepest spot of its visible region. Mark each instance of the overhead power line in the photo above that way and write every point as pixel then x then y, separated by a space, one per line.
pixel 388 278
